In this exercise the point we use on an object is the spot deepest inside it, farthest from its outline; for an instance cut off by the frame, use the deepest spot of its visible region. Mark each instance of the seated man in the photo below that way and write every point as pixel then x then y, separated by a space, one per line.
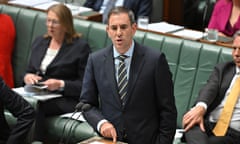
pixel 215 119
pixel 139 7
pixel 22 110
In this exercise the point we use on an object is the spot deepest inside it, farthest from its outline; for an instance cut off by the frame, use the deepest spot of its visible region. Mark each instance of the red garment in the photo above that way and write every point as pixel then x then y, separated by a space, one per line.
pixel 7 42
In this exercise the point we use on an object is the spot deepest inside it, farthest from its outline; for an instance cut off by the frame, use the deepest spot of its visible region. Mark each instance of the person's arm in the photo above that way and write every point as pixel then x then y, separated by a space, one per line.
pixel 144 8
pixel 72 87
pixel 89 3
pixel 166 102
pixel 21 109
pixel 90 95
pixel 206 97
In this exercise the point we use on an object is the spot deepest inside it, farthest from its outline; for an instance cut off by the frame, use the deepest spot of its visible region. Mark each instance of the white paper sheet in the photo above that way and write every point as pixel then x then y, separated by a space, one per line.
pixel 77 116
pixel 190 34
pixel 22 92
pixel 164 27
pixel 29 2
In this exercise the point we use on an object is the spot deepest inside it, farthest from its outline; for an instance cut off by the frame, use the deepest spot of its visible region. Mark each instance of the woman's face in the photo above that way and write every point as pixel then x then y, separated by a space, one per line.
pixel 54 27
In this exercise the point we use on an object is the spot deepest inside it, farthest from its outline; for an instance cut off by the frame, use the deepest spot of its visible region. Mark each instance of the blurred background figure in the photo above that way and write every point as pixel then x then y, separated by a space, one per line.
pixel 20 109
pixel 58 61
pixel 7 43
pixel 139 7
pixel 225 17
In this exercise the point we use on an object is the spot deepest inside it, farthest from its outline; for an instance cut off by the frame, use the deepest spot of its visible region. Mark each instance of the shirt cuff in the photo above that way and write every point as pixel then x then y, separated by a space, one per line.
pixel 100 124
pixel 62 85
pixel 203 104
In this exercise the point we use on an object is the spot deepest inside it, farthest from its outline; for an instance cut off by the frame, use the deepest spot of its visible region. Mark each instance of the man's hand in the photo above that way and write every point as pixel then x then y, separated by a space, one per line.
pixel 107 130
pixel 193 117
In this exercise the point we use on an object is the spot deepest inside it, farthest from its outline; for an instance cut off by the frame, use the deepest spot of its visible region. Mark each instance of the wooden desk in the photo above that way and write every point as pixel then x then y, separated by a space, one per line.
pixel 100 140
pixel 91 15
pixel 203 40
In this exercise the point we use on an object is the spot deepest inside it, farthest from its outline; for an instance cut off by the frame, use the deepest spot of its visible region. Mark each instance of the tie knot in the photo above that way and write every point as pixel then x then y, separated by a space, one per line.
pixel 122 57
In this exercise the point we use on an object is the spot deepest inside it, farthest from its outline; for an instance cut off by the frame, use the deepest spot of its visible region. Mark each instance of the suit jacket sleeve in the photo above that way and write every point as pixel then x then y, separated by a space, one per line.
pixel 90 95
pixel 219 81
pixel 21 109
pixel 166 102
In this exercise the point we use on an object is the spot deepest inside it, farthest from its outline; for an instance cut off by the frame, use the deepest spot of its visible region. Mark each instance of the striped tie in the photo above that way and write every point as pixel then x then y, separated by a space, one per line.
pixel 122 78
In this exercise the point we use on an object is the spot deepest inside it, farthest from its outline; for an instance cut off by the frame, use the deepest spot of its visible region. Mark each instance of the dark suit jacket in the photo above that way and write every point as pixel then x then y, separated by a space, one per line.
pixel 68 65
pixel 139 7
pixel 149 115
pixel 22 110
pixel 218 83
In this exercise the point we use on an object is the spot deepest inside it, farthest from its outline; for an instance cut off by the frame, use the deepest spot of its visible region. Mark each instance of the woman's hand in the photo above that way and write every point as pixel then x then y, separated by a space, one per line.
pixel 30 78
pixel 53 84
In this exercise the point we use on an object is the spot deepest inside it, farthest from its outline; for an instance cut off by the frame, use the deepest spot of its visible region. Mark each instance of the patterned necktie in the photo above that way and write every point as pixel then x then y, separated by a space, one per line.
pixel 109 6
pixel 225 117
pixel 122 78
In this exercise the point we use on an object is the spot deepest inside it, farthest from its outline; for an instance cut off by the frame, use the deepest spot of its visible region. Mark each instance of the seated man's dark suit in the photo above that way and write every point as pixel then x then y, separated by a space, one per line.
pixel 139 7
pixel 22 110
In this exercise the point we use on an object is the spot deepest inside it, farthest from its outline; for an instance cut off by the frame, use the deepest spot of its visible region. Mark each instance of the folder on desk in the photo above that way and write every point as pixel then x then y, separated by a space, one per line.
pixel 164 27
pixel 30 3
pixel 190 34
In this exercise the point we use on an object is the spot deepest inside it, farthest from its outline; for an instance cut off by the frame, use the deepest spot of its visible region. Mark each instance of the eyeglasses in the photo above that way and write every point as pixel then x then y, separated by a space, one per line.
pixel 53 21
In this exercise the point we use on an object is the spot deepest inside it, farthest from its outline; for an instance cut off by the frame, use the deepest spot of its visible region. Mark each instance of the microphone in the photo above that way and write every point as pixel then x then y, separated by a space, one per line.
pixel 84 108
pixel 205 13
pixel 77 108
pixel 204 17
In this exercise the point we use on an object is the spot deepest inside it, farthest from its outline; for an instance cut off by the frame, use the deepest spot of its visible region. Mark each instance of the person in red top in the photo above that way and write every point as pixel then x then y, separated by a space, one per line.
pixel 7 42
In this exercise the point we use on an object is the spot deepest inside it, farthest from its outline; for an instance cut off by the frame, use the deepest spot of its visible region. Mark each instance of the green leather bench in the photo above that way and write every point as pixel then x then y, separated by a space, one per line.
pixel 190 62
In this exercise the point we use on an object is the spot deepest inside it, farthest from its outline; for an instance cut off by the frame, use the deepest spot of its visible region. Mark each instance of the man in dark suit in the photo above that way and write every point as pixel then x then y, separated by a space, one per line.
pixel 22 110
pixel 139 7
pixel 199 123
pixel 146 114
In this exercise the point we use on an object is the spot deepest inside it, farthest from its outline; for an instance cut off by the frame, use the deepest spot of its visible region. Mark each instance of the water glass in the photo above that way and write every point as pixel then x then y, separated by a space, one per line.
pixel 212 35
pixel 142 22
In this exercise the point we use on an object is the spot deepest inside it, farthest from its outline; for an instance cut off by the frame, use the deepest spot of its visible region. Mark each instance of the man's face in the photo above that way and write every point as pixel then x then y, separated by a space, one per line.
pixel 121 31
pixel 236 51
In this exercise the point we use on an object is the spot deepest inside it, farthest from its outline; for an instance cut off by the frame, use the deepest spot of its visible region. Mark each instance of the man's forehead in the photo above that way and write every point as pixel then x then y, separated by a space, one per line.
pixel 236 42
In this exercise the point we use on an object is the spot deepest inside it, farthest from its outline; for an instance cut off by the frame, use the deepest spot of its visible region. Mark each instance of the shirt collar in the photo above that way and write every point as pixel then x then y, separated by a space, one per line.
pixel 237 70
pixel 129 53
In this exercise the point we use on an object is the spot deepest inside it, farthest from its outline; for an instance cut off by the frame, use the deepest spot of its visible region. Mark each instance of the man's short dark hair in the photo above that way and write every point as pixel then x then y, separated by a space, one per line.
pixel 120 9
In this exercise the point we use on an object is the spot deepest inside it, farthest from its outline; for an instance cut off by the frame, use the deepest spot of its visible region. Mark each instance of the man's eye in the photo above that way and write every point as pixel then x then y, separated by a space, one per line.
pixel 123 27
pixel 114 28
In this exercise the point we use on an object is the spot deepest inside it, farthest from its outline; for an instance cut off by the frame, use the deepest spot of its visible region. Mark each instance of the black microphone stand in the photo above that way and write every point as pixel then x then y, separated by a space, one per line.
pixel 77 108
pixel 84 108
pixel 204 16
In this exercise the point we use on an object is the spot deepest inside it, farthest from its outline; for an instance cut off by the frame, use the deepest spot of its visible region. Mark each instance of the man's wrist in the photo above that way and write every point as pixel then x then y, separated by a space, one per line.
pixel 100 124
pixel 62 85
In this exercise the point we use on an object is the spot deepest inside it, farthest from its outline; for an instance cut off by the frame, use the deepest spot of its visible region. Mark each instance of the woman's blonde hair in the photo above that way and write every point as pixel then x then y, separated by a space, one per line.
pixel 66 20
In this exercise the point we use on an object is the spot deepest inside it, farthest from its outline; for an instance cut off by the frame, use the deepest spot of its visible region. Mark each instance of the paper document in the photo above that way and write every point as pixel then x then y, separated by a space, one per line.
pixel 45 6
pixel 42 97
pixel 74 8
pixel 28 2
pixel 164 27
pixel 190 34
pixel 77 116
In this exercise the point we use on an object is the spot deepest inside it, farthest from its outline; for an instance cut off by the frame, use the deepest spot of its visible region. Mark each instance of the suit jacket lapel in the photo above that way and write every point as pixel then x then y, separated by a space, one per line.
pixel 109 70
pixel 135 68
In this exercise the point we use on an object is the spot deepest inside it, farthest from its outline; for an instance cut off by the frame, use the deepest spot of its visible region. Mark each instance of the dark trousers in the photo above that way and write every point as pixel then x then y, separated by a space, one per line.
pixel 196 136
pixel 50 108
